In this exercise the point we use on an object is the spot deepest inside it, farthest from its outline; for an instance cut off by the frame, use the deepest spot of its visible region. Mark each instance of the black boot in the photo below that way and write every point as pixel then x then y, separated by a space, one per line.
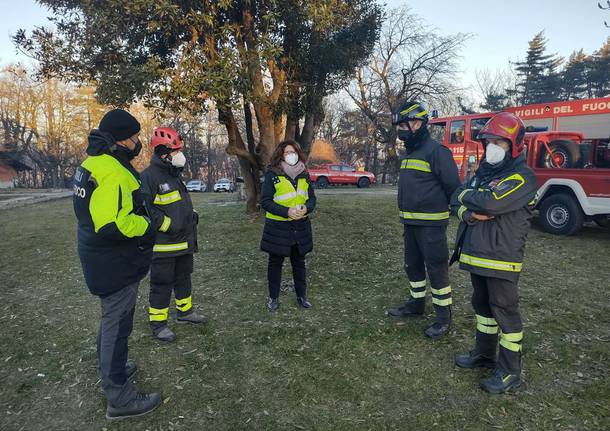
pixel 412 307
pixel 483 355
pixel 130 368
pixel 441 324
pixel 139 406
pixel 501 382
pixel 273 304
pixel 303 302
pixel 191 316
pixel 162 332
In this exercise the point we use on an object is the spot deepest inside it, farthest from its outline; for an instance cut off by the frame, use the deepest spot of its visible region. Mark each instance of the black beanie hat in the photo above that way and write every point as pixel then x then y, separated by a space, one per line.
pixel 120 124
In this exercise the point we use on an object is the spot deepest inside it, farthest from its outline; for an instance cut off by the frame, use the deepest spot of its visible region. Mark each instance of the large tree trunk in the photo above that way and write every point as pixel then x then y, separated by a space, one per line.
pixel 248 163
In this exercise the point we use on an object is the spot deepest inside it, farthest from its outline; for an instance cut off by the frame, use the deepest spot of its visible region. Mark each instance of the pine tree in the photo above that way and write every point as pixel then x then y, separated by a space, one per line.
pixel 538 74
pixel 574 76
pixel 599 75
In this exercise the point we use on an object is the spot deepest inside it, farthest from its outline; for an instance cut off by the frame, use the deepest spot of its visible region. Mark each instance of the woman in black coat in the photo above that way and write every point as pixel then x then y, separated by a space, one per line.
pixel 288 198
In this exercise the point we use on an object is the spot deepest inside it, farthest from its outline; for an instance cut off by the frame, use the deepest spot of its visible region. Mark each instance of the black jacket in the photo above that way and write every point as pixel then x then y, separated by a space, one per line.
pixel 280 236
pixel 115 234
pixel 172 210
pixel 428 177
pixel 495 248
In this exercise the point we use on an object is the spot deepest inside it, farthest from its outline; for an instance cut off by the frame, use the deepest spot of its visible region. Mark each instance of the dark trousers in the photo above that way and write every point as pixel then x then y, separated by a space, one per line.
pixel 496 304
pixel 167 275
pixel 115 327
pixel 299 274
pixel 426 250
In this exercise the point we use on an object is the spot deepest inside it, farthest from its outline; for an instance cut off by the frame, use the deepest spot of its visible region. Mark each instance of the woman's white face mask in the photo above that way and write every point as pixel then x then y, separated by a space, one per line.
pixel 291 158
pixel 178 159
pixel 494 154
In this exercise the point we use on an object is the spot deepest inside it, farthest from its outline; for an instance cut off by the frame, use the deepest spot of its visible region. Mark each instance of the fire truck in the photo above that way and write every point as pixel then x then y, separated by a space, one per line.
pixel 568 147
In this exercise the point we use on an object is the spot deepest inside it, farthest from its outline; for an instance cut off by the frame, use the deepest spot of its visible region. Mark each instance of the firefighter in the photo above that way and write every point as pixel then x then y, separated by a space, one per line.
pixel 494 209
pixel 428 177
pixel 176 239
pixel 115 240
pixel 288 198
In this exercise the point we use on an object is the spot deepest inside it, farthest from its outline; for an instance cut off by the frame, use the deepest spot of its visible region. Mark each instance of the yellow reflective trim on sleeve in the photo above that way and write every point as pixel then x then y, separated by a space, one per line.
pixel 487 329
pixel 167 198
pixel 157 314
pixel 421 114
pixel 461 212
pixel 424 216
pixel 417 284
pixel 442 302
pixel 166 223
pixel 443 291
pixel 415 164
pixel 170 247
pixel 462 194
pixel 499 265
pixel 514 177
pixel 489 321
pixel 184 304
pixel 418 294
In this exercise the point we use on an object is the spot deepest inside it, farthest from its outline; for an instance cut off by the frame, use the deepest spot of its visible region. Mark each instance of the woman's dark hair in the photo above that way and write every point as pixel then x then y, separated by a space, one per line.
pixel 278 153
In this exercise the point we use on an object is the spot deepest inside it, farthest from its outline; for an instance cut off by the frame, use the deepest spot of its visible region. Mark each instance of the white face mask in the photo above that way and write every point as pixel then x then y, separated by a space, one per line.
pixel 292 159
pixel 178 159
pixel 494 154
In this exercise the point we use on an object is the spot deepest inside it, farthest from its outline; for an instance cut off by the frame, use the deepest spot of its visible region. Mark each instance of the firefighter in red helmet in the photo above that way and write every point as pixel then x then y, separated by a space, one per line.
pixel 494 208
pixel 176 240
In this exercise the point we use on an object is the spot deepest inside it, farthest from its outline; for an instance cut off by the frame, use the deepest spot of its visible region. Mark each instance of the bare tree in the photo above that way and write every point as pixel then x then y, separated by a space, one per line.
pixel 410 61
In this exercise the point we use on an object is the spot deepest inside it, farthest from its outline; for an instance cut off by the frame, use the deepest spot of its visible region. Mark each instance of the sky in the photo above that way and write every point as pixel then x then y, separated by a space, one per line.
pixel 500 29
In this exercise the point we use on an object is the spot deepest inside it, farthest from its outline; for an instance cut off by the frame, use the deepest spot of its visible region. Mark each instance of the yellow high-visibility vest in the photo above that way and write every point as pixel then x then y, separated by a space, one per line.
pixel 287 196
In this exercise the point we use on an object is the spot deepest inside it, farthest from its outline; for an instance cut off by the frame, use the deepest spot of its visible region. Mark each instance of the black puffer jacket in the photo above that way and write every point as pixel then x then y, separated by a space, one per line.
pixel 495 248
pixel 280 236
pixel 428 177
pixel 172 209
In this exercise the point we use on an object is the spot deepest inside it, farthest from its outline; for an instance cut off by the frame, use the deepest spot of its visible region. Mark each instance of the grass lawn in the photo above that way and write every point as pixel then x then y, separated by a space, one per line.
pixel 339 366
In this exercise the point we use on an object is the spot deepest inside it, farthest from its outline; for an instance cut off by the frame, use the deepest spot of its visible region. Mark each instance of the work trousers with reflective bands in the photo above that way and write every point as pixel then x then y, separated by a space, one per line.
pixel 115 327
pixel 167 274
pixel 496 304
pixel 426 250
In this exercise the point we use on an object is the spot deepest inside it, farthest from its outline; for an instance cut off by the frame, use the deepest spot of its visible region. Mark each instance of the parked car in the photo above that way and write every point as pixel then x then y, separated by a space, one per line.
pixel 328 174
pixel 196 186
pixel 224 185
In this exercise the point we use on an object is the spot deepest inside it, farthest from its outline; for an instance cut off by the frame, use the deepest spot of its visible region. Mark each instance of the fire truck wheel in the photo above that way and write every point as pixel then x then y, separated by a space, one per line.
pixel 561 214
pixel 566 154
pixel 322 183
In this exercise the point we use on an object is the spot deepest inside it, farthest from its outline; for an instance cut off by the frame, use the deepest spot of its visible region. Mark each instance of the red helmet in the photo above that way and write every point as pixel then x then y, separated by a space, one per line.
pixel 507 126
pixel 167 137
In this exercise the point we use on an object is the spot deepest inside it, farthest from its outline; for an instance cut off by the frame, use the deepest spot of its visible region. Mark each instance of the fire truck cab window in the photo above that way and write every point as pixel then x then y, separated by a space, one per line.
pixel 476 124
pixel 335 168
pixel 457 131
pixel 437 131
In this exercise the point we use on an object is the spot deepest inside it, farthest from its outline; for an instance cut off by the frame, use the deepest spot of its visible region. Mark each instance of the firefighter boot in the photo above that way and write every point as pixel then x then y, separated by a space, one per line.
pixel 191 316
pixel 441 324
pixel 140 405
pixel 507 374
pixel 412 307
pixel 483 355
pixel 163 333
pixel 501 381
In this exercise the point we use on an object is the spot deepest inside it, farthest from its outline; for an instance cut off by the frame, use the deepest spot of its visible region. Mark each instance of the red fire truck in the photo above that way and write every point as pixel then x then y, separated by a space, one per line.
pixel 568 146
